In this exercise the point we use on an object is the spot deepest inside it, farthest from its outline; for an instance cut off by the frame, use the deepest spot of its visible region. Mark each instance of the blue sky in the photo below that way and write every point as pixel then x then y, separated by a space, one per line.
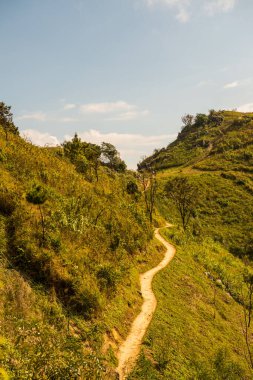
pixel 123 71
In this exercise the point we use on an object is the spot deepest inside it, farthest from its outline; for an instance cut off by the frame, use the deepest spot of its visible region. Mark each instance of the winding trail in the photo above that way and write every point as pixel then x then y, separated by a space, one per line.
pixel 130 348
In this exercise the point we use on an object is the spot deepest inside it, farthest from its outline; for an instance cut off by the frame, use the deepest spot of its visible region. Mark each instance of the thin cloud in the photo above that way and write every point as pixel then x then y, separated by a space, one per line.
pixel 115 111
pixel 108 111
pixel 39 138
pixel 231 85
pixel 216 6
pixel 67 120
pixel 184 8
pixel 183 15
pixel 37 116
pixel 107 107
pixel 248 107
pixel 69 106
pixel 130 115
pixel 180 6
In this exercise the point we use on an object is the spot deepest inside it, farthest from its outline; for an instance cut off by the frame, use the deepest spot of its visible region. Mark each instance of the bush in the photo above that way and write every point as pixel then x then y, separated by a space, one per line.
pixel 8 202
pixel 85 303
pixel 107 278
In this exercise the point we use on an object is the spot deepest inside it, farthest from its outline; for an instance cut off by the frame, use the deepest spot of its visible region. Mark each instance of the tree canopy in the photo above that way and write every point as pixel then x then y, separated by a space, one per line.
pixel 6 120
pixel 110 157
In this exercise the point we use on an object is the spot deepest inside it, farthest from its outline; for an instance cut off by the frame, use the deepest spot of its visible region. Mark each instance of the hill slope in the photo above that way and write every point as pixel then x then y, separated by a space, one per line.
pixel 216 154
pixel 70 253
pixel 222 140
pixel 204 290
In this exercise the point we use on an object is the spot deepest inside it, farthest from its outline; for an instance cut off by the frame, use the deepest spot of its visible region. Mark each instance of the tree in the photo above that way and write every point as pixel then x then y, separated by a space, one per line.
pixel 200 120
pixel 83 155
pixel 110 157
pixel 149 185
pixel 184 195
pixel 38 196
pixel 187 120
pixel 72 149
pixel 215 117
pixel 6 120
pixel 93 153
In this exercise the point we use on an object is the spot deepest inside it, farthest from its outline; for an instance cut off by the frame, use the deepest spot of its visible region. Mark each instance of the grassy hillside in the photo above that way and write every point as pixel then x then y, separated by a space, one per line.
pixel 222 140
pixel 71 247
pixel 204 290
pixel 215 154
pixel 75 234
pixel 197 331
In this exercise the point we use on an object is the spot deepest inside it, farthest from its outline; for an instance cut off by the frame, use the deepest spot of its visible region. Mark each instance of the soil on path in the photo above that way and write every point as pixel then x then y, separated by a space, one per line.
pixel 130 348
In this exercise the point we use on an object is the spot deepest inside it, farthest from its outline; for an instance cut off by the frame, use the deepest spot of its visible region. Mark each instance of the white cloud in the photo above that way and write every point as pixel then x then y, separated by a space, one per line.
pixel 183 7
pixel 39 138
pixel 232 85
pixel 130 115
pixel 183 15
pixel 107 107
pixel 116 111
pixel 37 116
pixel 69 106
pixel 246 108
pixel 216 6
pixel 67 120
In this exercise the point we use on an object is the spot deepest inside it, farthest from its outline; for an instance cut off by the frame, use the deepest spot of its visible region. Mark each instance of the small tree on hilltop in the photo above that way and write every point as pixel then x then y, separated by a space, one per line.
pixel 6 120
pixel 184 195
pixel 187 120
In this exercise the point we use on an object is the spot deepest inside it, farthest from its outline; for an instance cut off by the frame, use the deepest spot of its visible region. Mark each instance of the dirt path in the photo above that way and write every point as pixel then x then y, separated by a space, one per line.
pixel 130 348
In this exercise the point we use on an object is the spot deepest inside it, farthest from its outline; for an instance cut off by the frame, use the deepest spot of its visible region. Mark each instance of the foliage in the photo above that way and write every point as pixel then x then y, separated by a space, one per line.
pixel 221 140
pixel 187 120
pixel 37 195
pixel 149 188
pixel 184 196
pixel 202 315
pixel 62 287
pixel 111 158
pixel 206 295
pixel 6 120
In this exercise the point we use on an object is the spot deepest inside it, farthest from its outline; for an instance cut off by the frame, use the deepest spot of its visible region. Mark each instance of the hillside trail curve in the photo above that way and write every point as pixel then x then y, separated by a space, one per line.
pixel 129 350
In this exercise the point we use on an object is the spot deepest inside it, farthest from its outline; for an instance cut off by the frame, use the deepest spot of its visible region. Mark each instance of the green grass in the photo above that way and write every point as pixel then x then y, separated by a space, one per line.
pixel 225 145
pixel 196 332
pixel 64 290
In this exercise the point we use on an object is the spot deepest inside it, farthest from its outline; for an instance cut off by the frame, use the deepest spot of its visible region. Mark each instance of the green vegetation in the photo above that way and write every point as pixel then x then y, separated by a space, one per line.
pixel 76 231
pixel 219 141
pixel 74 235
pixel 205 296
pixel 197 331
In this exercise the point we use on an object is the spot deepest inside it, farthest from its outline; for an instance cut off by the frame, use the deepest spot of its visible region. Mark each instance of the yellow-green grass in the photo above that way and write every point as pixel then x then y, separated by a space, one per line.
pixel 196 332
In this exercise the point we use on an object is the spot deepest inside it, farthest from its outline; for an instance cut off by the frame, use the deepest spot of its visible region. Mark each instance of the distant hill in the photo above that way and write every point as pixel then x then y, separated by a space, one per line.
pixel 215 152
pixel 222 140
